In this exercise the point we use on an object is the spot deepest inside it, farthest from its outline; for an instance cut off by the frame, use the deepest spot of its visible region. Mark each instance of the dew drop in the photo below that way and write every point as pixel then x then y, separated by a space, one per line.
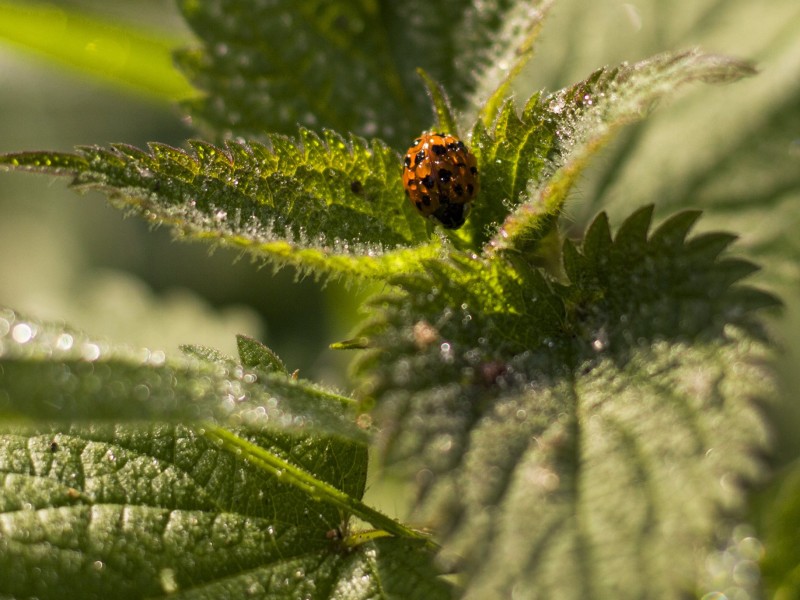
pixel 746 573
pixel 255 589
pixel 600 341
pixel 557 106
pixel 22 333
pixel 141 392
pixel 90 352
pixel 447 352
pixel 64 341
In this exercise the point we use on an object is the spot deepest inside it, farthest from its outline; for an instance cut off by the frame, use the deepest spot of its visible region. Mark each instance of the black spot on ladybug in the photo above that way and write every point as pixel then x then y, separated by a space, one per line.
pixel 439 150
pixel 451 216
pixel 419 204
pixel 470 189
pixel 427 181
pixel 406 191
pixel 452 146
pixel 426 200
pixel 445 175
pixel 419 158
pixel 473 170
pixel 356 187
pixel 407 162
pixel 458 189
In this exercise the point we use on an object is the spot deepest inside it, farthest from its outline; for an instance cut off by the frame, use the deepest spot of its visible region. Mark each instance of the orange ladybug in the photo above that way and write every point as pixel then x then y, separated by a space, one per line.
pixel 440 177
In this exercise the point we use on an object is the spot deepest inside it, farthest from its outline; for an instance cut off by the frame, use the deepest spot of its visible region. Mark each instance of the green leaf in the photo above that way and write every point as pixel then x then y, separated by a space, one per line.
pixel 334 207
pixel 530 162
pixel 302 479
pixel 140 512
pixel 349 66
pixel 731 151
pixel 119 54
pixel 387 568
pixel 254 354
pixel 204 353
pixel 778 521
pixel 322 204
pixel 578 439
pixel 51 373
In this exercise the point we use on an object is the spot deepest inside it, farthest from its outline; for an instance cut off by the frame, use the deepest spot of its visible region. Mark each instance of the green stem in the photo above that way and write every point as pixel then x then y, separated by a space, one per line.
pixel 317 489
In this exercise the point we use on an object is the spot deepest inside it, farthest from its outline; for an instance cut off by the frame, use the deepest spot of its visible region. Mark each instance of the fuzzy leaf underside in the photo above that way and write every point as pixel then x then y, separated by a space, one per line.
pixel 530 162
pixel 349 66
pixel 322 204
pixel 578 439
pixel 126 512
pixel 51 373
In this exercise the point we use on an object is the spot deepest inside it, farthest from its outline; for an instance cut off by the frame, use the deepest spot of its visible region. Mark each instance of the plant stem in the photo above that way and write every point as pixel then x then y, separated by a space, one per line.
pixel 317 489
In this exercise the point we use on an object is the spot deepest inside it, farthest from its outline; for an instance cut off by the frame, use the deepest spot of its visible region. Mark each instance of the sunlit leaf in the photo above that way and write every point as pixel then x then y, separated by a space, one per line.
pixel 530 162
pixel 142 512
pixel 571 438
pixel 323 204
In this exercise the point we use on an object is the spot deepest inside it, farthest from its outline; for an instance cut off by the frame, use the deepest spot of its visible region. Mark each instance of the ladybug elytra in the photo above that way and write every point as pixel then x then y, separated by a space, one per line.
pixel 440 177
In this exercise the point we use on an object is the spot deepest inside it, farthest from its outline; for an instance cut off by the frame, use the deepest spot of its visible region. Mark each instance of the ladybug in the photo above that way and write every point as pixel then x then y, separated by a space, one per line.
pixel 440 176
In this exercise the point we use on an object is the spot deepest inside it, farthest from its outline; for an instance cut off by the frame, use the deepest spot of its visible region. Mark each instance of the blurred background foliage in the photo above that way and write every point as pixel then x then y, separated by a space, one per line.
pixel 74 258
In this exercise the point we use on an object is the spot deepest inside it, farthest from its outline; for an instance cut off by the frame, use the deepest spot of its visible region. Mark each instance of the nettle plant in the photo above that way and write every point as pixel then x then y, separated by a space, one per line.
pixel 578 416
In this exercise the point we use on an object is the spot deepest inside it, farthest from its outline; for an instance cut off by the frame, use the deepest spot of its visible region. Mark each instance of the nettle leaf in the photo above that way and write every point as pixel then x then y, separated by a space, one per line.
pixel 530 162
pixel 332 206
pixel 51 373
pixel 731 151
pixel 253 354
pixel 349 66
pixel 577 438
pixel 323 204
pixel 125 512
